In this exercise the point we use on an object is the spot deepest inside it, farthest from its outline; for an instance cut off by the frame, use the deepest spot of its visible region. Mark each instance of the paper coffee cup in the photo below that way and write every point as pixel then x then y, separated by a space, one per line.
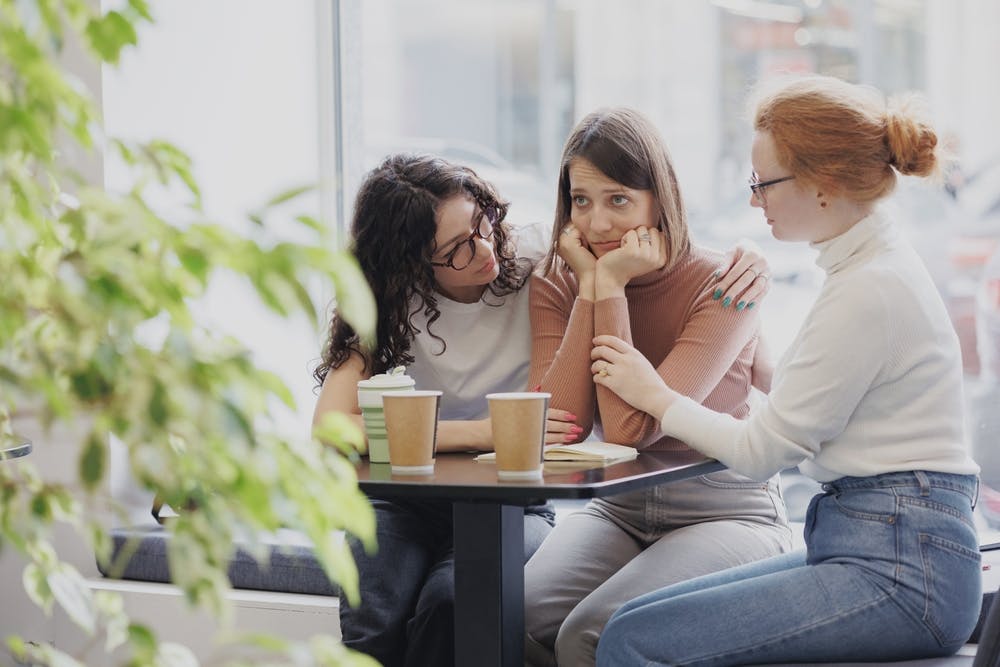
pixel 370 401
pixel 411 419
pixel 518 423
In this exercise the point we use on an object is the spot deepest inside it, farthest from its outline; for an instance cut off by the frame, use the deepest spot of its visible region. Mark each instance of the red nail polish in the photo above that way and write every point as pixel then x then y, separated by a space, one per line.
pixel 569 438
pixel 537 387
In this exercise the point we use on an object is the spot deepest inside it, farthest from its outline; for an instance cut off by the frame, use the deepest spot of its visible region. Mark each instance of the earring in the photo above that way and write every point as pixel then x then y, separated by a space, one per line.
pixel 822 203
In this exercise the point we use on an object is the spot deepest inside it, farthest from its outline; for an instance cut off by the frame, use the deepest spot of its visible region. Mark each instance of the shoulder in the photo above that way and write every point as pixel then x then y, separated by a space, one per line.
pixel 532 240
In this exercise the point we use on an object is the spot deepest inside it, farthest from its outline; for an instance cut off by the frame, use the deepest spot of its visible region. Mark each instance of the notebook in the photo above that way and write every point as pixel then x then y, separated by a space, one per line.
pixel 592 450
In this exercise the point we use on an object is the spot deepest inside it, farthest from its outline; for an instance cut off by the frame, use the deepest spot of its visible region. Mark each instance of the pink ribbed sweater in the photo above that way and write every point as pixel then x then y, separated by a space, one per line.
pixel 700 349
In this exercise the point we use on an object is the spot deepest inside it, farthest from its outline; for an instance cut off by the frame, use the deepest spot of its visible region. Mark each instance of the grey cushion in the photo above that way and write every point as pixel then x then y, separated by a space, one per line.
pixel 291 569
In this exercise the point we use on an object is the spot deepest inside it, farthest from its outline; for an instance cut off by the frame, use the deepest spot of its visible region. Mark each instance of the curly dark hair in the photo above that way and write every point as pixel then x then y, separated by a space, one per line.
pixel 392 236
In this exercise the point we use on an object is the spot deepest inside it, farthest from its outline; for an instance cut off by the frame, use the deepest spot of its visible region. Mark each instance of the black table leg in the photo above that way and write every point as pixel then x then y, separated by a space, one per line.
pixel 489 584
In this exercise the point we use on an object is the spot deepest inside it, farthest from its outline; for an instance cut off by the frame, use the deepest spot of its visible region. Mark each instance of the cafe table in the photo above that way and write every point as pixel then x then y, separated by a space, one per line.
pixel 488 518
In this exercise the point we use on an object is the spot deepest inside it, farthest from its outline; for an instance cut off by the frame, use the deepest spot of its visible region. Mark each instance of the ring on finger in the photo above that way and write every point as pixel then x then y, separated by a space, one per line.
pixel 754 271
pixel 567 230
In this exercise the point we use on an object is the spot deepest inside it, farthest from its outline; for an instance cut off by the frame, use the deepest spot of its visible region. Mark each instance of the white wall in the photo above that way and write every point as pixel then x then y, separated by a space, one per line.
pixel 234 84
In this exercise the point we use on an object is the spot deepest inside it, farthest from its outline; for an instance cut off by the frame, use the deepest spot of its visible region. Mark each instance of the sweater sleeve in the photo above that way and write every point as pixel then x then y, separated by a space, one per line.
pixel 840 352
pixel 711 340
pixel 562 331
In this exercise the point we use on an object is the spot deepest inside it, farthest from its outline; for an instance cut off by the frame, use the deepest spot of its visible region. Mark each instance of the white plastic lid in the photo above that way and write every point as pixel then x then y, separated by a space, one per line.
pixel 394 379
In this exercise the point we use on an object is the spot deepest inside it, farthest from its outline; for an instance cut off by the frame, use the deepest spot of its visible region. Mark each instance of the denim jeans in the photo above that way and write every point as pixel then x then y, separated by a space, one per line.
pixel 406 615
pixel 629 544
pixel 891 571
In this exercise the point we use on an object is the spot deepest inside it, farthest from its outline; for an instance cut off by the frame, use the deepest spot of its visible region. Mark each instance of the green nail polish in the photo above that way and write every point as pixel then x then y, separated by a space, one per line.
pixel 741 305
pixel 750 305
pixel 717 294
pixel 728 300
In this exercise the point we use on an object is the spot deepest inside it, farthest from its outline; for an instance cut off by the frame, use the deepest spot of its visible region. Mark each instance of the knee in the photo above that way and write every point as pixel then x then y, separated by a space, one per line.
pixel 437 599
pixel 576 641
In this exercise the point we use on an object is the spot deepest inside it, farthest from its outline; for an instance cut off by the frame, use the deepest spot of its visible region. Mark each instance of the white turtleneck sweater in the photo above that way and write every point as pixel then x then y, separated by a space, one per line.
pixel 871 384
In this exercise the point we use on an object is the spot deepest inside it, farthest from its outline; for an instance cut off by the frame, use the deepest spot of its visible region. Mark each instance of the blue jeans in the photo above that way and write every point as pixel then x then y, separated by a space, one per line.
pixel 406 615
pixel 891 572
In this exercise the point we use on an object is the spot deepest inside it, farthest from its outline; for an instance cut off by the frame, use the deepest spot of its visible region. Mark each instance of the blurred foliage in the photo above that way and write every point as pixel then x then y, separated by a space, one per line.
pixel 96 328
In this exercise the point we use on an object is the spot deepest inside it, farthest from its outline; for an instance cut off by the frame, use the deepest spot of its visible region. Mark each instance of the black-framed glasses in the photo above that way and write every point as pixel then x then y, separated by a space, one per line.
pixel 464 251
pixel 758 187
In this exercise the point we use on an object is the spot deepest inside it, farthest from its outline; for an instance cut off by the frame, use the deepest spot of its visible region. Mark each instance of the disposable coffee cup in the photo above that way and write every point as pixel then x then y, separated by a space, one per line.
pixel 411 419
pixel 518 422
pixel 370 401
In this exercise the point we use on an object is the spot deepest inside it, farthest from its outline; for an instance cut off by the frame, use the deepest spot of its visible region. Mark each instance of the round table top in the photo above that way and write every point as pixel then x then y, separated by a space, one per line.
pixel 15 451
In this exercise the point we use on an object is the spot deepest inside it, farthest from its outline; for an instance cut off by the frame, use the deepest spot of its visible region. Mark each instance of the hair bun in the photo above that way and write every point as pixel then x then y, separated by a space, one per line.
pixel 911 140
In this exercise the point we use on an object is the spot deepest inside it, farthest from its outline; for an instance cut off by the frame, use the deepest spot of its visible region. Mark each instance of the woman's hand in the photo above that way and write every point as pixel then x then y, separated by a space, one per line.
pixel 642 250
pixel 622 369
pixel 747 277
pixel 561 428
pixel 575 252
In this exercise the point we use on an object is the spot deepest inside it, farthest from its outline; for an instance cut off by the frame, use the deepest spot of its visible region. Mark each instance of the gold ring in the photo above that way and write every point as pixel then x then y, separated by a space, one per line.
pixel 603 372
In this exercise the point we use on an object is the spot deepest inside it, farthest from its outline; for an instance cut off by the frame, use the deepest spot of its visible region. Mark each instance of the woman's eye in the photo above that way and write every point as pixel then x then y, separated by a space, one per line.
pixel 579 201
pixel 619 200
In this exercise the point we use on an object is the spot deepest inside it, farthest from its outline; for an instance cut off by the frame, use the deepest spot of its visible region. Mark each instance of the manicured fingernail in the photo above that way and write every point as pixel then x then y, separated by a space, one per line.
pixel 725 302
pixel 570 417
pixel 741 305
pixel 537 387
pixel 569 438
pixel 576 429
pixel 751 305
pixel 717 294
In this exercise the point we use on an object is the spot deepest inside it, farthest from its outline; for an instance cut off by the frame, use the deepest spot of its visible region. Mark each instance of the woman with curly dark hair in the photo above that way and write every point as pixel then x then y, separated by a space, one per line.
pixel 432 240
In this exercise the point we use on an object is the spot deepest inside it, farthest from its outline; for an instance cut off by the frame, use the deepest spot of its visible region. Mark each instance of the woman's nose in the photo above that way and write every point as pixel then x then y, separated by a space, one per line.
pixel 599 221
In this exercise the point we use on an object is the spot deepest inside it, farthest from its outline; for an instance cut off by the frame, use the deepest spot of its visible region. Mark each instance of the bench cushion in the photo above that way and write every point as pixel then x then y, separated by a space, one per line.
pixel 292 568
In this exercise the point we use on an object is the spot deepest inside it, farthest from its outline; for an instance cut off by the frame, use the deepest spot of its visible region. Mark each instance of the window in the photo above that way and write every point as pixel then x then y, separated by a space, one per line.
pixel 497 85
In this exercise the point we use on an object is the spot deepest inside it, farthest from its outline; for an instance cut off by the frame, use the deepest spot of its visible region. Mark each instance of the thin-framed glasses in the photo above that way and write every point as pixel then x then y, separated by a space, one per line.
pixel 758 187
pixel 464 251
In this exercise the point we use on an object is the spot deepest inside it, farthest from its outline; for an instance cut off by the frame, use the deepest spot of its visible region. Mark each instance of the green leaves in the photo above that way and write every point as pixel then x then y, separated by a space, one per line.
pixel 93 461
pixel 97 326
pixel 109 34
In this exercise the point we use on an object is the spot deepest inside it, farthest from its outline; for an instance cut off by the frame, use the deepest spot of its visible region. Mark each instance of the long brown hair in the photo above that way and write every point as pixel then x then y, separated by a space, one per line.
pixel 625 146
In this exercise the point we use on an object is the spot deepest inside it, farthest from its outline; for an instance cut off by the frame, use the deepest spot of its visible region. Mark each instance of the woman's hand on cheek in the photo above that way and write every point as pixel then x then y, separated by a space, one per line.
pixel 561 428
pixel 642 250
pixel 747 277
pixel 575 252
pixel 625 371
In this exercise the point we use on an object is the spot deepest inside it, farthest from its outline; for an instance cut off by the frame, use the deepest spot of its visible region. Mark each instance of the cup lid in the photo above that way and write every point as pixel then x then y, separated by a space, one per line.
pixel 397 377
pixel 517 395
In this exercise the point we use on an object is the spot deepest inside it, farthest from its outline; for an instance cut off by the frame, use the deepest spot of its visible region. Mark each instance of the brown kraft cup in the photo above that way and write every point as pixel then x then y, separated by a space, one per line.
pixel 518 422
pixel 411 426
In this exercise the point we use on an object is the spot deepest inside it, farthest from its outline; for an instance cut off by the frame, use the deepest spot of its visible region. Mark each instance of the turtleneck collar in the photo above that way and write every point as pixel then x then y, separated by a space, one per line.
pixel 659 274
pixel 872 231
